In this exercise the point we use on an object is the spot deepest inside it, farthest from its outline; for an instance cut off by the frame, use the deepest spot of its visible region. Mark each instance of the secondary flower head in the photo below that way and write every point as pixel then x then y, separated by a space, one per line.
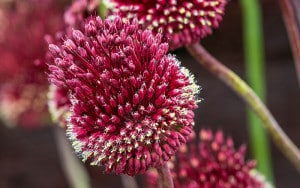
pixel 23 104
pixel 131 104
pixel 79 10
pixel 212 163
pixel 23 83
pixel 181 22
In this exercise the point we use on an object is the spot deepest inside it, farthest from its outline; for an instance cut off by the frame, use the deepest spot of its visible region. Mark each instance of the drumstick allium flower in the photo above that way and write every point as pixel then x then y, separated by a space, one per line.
pixel 213 162
pixel 131 103
pixel 180 22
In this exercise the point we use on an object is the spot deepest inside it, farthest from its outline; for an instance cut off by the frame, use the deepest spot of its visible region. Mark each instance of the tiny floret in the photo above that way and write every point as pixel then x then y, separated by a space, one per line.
pixel 130 103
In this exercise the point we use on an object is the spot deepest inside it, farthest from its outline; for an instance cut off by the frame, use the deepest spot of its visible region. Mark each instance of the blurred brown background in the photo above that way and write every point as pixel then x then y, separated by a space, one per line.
pixel 29 159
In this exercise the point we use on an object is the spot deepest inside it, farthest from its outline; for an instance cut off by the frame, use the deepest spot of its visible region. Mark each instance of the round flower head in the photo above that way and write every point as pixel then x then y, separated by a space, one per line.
pixel 181 22
pixel 212 163
pixel 131 104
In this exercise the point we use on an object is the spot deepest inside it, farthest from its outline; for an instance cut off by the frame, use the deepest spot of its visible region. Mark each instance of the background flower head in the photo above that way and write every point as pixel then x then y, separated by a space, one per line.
pixel 181 22
pixel 23 104
pixel 131 104
pixel 213 162
pixel 80 10
pixel 24 84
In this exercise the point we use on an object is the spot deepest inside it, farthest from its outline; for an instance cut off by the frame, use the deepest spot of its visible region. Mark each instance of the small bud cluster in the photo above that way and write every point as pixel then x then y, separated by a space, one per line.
pixel 58 104
pixel 131 103
pixel 212 163
pixel 180 22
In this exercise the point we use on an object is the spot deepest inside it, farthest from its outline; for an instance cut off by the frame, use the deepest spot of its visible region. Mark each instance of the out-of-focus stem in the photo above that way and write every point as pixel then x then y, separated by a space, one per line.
pixel 255 71
pixel 102 9
pixel 165 177
pixel 289 12
pixel 72 166
pixel 287 147
pixel 128 182
pixel 296 5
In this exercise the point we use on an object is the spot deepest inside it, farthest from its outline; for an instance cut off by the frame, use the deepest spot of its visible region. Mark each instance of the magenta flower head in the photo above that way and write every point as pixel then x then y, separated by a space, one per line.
pixel 131 103
pixel 180 22
pixel 212 163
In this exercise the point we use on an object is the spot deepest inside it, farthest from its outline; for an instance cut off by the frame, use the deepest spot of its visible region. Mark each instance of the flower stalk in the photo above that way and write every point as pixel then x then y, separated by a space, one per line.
pixel 255 71
pixel 165 177
pixel 290 18
pixel 73 168
pixel 102 10
pixel 128 181
pixel 288 148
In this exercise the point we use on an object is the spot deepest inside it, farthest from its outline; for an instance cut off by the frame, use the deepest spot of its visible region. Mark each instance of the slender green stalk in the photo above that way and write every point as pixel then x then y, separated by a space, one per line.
pixel 102 9
pixel 165 178
pixel 72 166
pixel 283 142
pixel 255 71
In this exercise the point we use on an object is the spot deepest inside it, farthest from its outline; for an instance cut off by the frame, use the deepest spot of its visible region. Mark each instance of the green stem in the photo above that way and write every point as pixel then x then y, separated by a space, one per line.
pixel 255 70
pixel 246 93
pixel 72 166
pixel 102 10
pixel 165 177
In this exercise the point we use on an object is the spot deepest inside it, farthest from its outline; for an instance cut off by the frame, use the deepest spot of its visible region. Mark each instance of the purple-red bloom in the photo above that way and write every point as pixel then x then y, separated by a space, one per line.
pixel 213 162
pixel 131 103
pixel 180 22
